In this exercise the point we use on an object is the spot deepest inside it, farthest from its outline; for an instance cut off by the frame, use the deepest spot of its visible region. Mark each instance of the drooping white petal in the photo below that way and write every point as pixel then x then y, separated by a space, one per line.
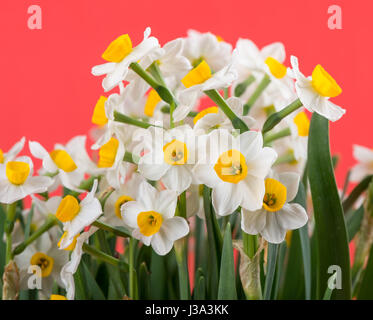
pixel 253 222
pixel 273 231
pixel 291 181
pixel 177 178
pixel 226 197
pixel 292 216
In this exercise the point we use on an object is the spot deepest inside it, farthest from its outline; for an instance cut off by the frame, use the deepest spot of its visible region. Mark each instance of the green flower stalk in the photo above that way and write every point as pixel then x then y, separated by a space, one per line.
pixel 276 117
pixel 256 94
pixel 9 225
pixel 241 87
pixel 120 117
pixel 273 136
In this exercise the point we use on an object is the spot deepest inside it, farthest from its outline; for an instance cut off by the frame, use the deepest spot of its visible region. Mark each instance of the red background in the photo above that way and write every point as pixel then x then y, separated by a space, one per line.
pixel 48 92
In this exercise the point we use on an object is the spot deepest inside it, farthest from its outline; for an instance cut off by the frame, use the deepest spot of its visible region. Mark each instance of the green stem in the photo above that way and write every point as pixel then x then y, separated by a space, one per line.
pixel 156 73
pixel 272 136
pixel 250 244
pixel 256 94
pixel 161 89
pixel 48 224
pixel 132 273
pixel 166 109
pixel 241 87
pixel 276 117
pixel 106 227
pixel 130 157
pixel 9 225
pixel 105 257
pixel 180 248
pixel 237 123
pixel 286 158
pixel 120 117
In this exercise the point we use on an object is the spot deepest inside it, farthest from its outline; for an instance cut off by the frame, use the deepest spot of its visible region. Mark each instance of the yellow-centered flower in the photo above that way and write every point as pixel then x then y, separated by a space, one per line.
pixel 149 222
pixel 108 153
pixel 63 160
pixel 324 83
pixel 302 123
pixel 68 209
pixel 175 152
pixel 44 261
pixel 99 115
pixel 231 166
pixel 118 49
pixel 198 75
pixel 151 102
pixel 204 112
pixel 277 69
pixel 17 172
pixel 120 201
pixel 275 195
pixel 71 247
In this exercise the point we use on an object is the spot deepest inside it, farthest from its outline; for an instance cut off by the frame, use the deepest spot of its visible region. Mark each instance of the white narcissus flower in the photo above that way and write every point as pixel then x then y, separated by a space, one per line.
pixel 120 55
pixel 152 218
pixel 76 216
pixel 364 156
pixel 69 269
pixel 17 180
pixel 200 79
pixel 207 46
pixel 170 158
pixel 213 118
pixel 235 168
pixel 128 191
pixel 13 151
pixel 69 162
pixel 277 215
pixel 314 92
pixel 45 254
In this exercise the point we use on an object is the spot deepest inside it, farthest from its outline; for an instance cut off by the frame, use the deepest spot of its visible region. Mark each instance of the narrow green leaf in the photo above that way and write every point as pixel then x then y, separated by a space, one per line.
pixel 356 192
pixel 200 290
pixel 329 217
pixel 92 285
pixel 353 222
pixel 366 288
pixel 329 291
pixel 271 268
pixel 144 282
pixel 227 283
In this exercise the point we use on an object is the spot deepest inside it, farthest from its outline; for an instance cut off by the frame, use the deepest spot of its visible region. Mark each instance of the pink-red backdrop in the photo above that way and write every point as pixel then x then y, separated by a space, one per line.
pixel 48 92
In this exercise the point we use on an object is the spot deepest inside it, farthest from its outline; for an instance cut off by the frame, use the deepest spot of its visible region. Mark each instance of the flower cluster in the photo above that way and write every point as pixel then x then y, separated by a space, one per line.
pixel 194 128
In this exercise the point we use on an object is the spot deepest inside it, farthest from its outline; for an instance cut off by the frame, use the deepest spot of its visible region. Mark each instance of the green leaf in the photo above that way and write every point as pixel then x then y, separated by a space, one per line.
pixel 200 290
pixel 353 222
pixel 356 192
pixel 92 285
pixel 144 282
pixel 227 283
pixel 366 288
pixel 329 291
pixel 271 268
pixel 331 230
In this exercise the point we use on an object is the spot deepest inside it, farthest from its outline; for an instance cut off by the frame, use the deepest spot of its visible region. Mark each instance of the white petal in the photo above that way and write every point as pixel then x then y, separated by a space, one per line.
pixel 205 174
pixel 103 69
pixel 226 197
pixel 275 50
pixel 273 231
pixel 161 244
pixel 251 143
pixel 291 181
pixel 177 178
pixel 129 211
pixel 292 216
pixel 15 150
pixel 253 222
pixel 165 203
pixel 363 154
pixel 152 167
pixel 174 228
pixel 253 190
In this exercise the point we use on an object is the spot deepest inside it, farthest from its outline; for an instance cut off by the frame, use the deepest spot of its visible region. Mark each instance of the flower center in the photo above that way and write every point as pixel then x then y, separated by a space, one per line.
pixel 231 166
pixel 63 160
pixel 324 83
pixel 149 222
pixel 108 153
pixel 275 195
pixel 1 156
pixel 198 75
pixel 68 209
pixel 175 152
pixel 44 261
pixel 204 112
pixel 17 172
pixel 277 69
pixel 99 115
pixel 118 49
pixel 121 201
pixel 302 123
pixel 73 243
pixel 151 102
